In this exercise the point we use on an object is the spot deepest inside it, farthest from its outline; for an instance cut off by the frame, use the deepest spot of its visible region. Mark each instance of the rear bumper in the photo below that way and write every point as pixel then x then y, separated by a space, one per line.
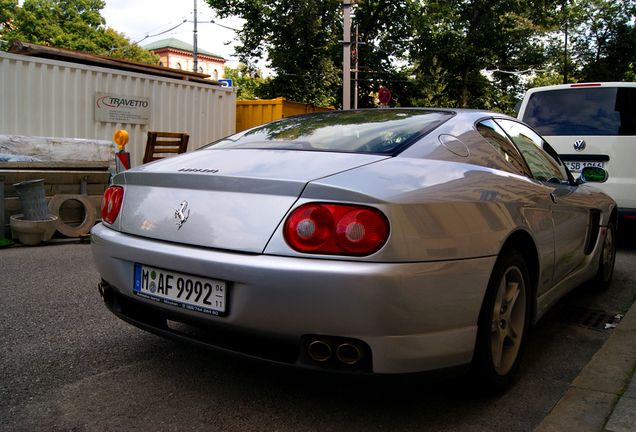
pixel 412 317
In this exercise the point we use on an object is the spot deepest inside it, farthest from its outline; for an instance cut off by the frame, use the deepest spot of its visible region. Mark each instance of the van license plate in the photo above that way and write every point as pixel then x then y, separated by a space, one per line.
pixel 577 167
pixel 180 290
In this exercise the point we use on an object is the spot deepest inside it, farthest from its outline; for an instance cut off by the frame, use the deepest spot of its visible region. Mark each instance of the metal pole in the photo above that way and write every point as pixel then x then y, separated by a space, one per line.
pixel 565 56
pixel 1 206
pixel 355 80
pixel 194 53
pixel 346 60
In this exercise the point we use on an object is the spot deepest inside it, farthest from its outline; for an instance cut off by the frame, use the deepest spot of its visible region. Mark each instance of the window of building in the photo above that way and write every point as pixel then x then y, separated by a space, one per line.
pixel 215 75
pixel 178 66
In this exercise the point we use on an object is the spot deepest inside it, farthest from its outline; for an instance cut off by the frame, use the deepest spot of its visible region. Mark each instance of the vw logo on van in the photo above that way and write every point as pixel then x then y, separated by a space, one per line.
pixel 579 145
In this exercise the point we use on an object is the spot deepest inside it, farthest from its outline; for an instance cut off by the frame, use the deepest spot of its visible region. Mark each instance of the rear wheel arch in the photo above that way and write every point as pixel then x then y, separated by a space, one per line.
pixel 523 242
pixel 607 258
pixel 504 320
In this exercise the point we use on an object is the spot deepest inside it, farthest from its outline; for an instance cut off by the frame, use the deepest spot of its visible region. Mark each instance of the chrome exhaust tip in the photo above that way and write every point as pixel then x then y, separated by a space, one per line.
pixel 319 350
pixel 105 292
pixel 349 353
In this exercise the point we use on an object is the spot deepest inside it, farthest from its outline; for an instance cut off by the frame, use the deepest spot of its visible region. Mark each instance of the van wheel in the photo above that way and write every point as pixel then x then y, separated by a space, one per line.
pixel 503 323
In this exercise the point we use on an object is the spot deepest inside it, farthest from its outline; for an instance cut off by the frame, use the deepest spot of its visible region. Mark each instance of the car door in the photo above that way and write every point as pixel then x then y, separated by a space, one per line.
pixel 571 205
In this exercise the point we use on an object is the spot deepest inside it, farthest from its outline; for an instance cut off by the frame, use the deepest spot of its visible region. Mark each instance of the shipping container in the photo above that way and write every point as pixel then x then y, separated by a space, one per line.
pixel 250 113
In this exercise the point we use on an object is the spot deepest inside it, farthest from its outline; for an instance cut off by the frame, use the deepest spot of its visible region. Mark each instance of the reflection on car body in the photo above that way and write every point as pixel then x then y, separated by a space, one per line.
pixel 372 241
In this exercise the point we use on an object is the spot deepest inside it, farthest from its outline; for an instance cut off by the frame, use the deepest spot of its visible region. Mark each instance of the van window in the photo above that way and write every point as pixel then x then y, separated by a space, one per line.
pixel 583 111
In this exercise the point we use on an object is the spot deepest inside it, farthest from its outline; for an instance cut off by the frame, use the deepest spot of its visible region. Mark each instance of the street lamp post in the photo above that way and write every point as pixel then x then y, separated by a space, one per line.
pixel 346 57
pixel 194 51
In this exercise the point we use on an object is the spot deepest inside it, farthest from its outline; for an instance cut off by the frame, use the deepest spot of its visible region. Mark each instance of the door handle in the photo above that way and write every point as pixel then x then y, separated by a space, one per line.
pixel 554 198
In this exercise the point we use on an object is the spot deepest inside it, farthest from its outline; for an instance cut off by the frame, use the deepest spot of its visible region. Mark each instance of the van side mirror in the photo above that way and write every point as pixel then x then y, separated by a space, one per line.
pixel 593 174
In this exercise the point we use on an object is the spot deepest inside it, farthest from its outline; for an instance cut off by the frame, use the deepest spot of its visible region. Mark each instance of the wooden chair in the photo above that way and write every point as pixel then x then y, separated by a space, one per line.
pixel 169 144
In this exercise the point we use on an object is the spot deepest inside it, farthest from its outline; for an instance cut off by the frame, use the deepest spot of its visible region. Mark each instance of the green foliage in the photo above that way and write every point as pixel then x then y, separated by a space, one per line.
pixel 605 39
pixel 453 53
pixel 71 24
pixel 301 42
pixel 468 37
pixel 7 10
pixel 600 35
pixel 247 81
pixel 383 33
pixel 115 44
pixel 425 86
pixel 545 79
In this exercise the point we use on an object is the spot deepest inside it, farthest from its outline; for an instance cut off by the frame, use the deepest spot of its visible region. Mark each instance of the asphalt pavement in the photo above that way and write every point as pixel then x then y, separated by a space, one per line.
pixel 601 398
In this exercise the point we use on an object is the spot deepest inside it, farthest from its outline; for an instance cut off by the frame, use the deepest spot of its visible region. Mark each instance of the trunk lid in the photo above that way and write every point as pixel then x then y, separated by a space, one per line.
pixel 228 199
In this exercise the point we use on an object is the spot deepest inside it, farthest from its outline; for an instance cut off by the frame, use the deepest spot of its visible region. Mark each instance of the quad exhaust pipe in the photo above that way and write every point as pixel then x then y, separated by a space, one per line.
pixel 105 291
pixel 348 353
pixel 320 350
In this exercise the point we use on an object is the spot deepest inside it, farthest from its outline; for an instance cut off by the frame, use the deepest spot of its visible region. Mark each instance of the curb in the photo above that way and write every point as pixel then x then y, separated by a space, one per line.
pixel 595 392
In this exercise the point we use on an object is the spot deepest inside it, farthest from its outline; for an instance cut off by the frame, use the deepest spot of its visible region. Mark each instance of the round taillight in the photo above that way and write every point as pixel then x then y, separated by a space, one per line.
pixel 111 203
pixel 360 231
pixel 309 227
pixel 336 229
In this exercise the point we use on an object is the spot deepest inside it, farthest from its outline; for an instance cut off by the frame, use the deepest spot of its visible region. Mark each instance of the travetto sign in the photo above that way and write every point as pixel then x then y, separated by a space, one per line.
pixel 121 109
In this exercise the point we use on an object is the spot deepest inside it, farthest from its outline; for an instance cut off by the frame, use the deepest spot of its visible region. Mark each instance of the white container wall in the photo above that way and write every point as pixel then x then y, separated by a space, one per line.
pixel 50 98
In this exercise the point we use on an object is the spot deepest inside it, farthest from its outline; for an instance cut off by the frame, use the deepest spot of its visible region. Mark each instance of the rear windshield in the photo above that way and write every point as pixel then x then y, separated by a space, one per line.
pixel 377 131
pixel 583 111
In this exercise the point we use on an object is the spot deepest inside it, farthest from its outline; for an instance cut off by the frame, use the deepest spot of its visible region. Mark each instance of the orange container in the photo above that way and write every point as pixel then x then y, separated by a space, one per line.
pixel 250 113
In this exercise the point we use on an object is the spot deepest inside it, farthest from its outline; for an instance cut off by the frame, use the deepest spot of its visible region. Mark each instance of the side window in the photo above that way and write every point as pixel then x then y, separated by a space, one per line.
pixel 497 138
pixel 543 166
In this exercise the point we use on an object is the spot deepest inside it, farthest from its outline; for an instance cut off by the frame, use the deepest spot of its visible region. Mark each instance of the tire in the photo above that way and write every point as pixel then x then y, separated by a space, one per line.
pixel 607 260
pixel 503 323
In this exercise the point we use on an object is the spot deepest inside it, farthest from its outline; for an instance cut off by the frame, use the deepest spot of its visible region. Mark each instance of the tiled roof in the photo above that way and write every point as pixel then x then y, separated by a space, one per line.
pixel 179 45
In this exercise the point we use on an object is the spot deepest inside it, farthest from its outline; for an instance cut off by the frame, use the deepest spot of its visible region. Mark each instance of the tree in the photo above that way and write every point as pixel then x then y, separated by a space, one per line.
pixel 71 24
pixel 455 53
pixel 247 81
pixel 604 39
pixel 7 10
pixel 382 29
pixel 300 39
pixel 469 36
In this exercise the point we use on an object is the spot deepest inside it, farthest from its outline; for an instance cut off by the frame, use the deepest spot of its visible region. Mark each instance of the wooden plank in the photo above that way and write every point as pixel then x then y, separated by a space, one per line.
pixel 56 182
pixel 66 166
pixel 50 190
pixel 26 48
pixel 55 177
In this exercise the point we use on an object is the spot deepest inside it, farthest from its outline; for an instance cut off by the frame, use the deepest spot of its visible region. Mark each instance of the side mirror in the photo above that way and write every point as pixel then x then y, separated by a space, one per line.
pixel 593 174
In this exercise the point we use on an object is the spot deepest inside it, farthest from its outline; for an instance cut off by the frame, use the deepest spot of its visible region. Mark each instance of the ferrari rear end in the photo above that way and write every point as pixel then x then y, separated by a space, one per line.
pixel 286 255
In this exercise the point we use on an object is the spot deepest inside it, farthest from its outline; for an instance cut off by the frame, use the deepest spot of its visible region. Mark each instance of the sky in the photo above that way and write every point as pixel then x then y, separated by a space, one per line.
pixel 140 18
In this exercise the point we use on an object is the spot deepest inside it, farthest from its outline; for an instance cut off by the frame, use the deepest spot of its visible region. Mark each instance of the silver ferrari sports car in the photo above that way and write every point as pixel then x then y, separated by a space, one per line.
pixel 385 241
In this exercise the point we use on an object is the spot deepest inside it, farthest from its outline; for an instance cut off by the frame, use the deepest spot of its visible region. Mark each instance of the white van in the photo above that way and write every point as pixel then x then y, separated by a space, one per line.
pixel 590 124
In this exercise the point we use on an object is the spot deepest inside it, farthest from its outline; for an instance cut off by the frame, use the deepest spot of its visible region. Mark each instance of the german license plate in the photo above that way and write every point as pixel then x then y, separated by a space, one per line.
pixel 577 167
pixel 181 290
